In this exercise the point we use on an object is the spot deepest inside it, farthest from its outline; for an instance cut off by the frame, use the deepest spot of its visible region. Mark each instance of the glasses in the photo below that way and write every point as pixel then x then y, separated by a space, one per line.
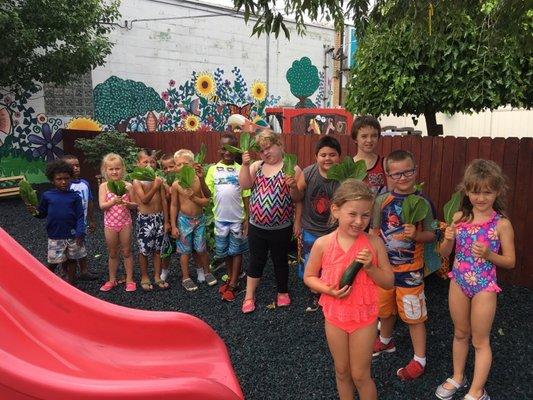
pixel 406 174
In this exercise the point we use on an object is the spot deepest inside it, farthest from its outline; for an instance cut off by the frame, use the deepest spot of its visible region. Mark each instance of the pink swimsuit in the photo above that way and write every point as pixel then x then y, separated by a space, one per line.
pixel 360 307
pixel 118 216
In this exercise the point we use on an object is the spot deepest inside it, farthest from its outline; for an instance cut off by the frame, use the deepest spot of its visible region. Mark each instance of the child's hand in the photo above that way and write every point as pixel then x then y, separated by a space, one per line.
pixel 481 250
pixel 246 158
pixel 91 227
pixel 118 201
pixel 187 192
pixel 290 181
pixel 449 232
pixel 175 232
pixel 32 209
pixel 158 181
pixel 365 258
pixel 245 229
pixel 340 293
pixel 410 231
pixel 297 229
pixel 167 227
pixel 199 170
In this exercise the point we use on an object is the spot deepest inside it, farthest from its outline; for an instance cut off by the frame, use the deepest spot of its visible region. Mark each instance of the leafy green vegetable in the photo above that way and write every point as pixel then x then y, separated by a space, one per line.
pixel 348 169
pixel 186 176
pixel 143 174
pixel 246 143
pixel 414 209
pixel 200 156
pixel 451 207
pixel 117 187
pixel 289 163
pixel 419 187
pixel 28 194
pixel 170 178
pixel 233 149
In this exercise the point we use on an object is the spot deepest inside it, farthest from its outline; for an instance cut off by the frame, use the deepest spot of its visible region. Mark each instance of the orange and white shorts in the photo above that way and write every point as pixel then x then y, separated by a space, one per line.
pixel 408 302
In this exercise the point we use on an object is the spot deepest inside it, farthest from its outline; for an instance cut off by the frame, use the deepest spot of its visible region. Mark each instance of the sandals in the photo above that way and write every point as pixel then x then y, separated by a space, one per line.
pixel 189 285
pixel 444 393
pixel 161 284
pixel 248 306
pixel 147 286
pixel 106 287
pixel 130 287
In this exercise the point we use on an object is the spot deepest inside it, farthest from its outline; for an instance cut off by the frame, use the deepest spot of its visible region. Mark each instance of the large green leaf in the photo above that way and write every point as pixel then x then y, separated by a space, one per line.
pixel 414 209
pixel 289 163
pixel 452 206
pixel 143 174
pixel 186 176
pixel 28 194
pixel 348 169
pixel 200 156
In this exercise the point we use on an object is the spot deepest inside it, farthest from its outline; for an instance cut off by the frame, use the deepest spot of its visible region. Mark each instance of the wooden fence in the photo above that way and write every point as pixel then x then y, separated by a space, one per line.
pixel 441 162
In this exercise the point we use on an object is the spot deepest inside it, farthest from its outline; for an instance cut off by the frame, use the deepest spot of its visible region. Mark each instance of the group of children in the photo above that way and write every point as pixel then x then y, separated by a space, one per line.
pixel 258 207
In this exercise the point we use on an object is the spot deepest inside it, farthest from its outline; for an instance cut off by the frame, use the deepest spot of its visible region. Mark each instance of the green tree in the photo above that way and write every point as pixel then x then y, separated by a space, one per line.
pixel 53 40
pixel 460 67
pixel 304 80
pixel 116 101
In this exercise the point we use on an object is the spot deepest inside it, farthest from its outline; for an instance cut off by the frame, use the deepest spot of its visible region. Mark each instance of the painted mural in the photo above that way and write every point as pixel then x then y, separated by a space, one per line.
pixel 203 102
pixel 28 138
pixel 304 80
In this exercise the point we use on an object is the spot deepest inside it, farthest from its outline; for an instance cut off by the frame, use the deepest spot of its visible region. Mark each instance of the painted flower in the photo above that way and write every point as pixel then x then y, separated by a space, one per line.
pixel 205 85
pixel 191 123
pixel 46 146
pixel 470 278
pixel 472 229
pixel 5 124
pixel 259 91
pixel 170 106
pixel 41 118
pixel 164 96
pixel 171 83
pixel 493 234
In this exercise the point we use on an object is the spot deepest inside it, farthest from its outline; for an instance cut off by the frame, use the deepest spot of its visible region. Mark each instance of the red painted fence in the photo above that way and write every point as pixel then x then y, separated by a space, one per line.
pixel 441 162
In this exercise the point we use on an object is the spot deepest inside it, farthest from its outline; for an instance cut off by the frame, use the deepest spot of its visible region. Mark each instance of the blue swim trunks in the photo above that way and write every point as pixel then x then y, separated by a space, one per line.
pixel 192 234
pixel 229 240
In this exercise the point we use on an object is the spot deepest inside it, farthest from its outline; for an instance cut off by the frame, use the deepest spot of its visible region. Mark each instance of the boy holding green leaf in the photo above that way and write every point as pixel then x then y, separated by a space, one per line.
pixel 404 221
pixel 188 198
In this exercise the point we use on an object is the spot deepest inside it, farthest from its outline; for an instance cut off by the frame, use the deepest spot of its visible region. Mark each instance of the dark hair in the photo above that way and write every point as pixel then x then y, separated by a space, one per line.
pixel 362 121
pixel 229 136
pixel 69 157
pixel 148 153
pixel 398 155
pixel 328 141
pixel 166 157
pixel 58 167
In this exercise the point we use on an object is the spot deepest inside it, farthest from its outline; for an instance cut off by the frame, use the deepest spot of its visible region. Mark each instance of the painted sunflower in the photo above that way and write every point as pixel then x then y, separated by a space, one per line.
pixel 191 123
pixel 259 90
pixel 205 85
pixel 84 124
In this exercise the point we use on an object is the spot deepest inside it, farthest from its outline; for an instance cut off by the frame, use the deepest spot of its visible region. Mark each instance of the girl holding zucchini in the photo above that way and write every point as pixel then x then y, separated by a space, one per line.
pixel 484 240
pixel 346 267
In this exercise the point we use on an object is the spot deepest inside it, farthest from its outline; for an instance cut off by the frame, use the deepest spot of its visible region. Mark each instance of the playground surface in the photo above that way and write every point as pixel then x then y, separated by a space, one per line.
pixel 282 353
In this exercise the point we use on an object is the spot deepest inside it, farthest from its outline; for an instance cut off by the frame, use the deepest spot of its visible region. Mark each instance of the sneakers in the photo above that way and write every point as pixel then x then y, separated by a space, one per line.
pixel 313 304
pixel 210 279
pixel 411 371
pixel 248 306
pixel 189 285
pixel 283 300
pixel 380 347
pixel 200 276
pixel 444 393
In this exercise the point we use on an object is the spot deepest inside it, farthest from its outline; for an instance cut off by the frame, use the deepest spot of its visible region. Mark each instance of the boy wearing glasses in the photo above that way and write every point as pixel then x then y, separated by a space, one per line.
pixel 405 248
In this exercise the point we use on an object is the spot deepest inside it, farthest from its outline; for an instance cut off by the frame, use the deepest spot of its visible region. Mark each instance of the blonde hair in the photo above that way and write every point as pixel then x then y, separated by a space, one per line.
pixel 268 137
pixel 110 157
pixel 480 174
pixel 184 153
pixel 351 190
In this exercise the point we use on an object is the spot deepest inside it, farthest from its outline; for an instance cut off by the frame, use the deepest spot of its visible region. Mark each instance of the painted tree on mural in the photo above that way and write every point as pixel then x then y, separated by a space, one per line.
pixel 116 101
pixel 304 81
pixel 53 40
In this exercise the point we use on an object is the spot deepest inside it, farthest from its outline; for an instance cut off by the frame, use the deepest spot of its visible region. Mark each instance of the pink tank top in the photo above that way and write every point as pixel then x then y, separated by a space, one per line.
pixel 117 216
pixel 361 305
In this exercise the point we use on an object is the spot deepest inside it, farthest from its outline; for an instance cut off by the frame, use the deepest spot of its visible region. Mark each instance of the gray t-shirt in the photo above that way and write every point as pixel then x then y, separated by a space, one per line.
pixel 317 201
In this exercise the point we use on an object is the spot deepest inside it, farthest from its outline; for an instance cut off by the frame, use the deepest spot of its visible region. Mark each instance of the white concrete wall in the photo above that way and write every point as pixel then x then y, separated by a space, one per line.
pixel 156 51
pixel 503 122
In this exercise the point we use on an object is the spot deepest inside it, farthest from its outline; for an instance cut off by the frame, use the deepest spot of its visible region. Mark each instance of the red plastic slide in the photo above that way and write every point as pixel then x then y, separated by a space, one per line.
pixel 59 343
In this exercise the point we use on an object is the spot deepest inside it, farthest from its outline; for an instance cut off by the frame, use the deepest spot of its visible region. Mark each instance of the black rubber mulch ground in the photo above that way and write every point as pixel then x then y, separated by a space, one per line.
pixel 282 353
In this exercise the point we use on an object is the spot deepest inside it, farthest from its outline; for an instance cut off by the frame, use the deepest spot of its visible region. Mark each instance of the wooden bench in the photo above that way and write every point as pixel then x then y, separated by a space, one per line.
pixel 9 185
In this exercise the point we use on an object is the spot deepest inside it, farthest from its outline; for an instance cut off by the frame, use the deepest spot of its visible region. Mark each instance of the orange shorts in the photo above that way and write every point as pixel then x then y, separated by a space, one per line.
pixel 408 302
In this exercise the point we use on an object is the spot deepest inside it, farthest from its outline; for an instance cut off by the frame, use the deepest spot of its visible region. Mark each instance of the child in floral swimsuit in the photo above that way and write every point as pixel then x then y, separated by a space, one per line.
pixel 484 240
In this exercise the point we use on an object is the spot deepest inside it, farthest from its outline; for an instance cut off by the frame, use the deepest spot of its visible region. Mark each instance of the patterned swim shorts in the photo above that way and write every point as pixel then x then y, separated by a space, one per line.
pixel 61 250
pixel 150 229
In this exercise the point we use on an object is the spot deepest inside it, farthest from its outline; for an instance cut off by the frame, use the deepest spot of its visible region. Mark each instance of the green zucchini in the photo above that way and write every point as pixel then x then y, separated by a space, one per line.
pixel 348 276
